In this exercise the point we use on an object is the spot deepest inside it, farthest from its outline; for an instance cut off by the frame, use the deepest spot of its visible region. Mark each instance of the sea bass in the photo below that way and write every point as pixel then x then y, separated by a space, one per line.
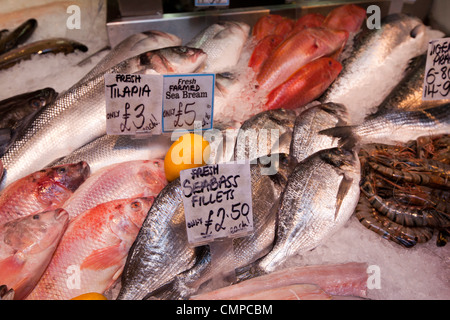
pixel 296 51
pixel 46 189
pixel 378 62
pixel 137 178
pixel 78 116
pixel 320 196
pixel 93 249
pixel 26 247
pixel 223 43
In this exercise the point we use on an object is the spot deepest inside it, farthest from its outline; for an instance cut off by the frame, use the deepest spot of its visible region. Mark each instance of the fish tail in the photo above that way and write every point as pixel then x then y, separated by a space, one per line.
pixel 348 139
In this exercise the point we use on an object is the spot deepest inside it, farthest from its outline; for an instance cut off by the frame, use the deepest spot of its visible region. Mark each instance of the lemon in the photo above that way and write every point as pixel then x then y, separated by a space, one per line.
pixel 189 151
pixel 90 296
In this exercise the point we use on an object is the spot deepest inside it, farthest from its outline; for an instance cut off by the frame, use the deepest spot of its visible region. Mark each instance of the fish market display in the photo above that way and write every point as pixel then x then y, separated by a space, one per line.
pixel 381 57
pixel 137 178
pixel 26 248
pixel 320 196
pixel 80 112
pixel 45 189
pixel 18 36
pixel 95 245
pixel 25 52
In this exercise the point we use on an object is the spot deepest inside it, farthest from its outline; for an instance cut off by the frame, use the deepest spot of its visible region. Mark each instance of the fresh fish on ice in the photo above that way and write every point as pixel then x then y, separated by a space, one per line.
pixel 27 245
pixel 377 64
pixel 94 249
pixel 306 139
pixel 131 179
pixel 18 36
pixel 320 196
pixel 223 43
pixel 78 116
pixel 46 189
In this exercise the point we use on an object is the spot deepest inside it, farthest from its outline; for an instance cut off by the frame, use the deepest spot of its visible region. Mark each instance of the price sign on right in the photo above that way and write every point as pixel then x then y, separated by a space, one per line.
pixel 437 72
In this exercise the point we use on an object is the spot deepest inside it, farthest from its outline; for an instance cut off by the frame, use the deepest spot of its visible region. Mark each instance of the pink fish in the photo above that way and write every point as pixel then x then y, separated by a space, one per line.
pixel 92 253
pixel 46 189
pixel 26 247
pixel 130 179
pixel 348 17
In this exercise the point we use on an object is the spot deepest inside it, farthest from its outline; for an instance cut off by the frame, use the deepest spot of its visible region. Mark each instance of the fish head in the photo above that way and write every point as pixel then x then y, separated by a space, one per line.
pixel 45 97
pixel 37 232
pixel 152 176
pixel 71 175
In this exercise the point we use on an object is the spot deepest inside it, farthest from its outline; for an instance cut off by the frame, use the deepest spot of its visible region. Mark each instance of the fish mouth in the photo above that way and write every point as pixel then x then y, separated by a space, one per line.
pixel 61 214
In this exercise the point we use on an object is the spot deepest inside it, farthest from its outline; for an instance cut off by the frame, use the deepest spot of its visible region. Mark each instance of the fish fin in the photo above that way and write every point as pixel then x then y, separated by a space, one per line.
pixel 11 265
pixel 347 138
pixel 103 258
pixel 344 187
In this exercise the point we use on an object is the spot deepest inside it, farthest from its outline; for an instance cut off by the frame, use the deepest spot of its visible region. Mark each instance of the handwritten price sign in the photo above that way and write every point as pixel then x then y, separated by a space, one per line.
pixel 217 202
pixel 437 71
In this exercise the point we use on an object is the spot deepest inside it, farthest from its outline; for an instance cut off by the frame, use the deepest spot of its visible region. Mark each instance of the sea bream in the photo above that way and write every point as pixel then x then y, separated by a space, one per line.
pixel 378 62
pixel 78 116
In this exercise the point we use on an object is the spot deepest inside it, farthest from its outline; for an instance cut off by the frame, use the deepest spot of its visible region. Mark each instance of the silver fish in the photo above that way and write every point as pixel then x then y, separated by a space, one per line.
pixel 223 42
pixel 111 149
pixel 78 116
pixel 245 250
pixel 320 196
pixel 306 139
pixel 265 133
pixel 394 127
pixel 378 63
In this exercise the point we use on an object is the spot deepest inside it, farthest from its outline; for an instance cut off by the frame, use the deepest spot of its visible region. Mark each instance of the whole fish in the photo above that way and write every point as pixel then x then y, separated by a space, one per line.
pixel 26 248
pixel 348 17
pixel 223 43
pixel 305 85
pixel 271 24
pixel 320 196
pixel 146 271
pixel 378 62
pixel 306 139
pixel 262 51
pixel 82 108
pixel 18 36
pixel 25 52
pixel 93 250
pixel 46 189
pixel 265 133
pixel 310 20
pixel 394 127
pixel 112 149
pixel 296 51
pixel 130 179
pixel 132 46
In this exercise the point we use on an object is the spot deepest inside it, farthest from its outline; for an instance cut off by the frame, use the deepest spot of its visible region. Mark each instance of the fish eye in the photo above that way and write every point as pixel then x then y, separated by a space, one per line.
pixel 36 217
pixel 61 170
pixel 136 205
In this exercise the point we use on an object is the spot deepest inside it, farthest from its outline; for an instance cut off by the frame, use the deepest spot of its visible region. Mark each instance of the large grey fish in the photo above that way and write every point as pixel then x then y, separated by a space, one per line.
pixel 377 64
pixel 320 196
pixel 265 133
pixel 161 250
pixel 78 116
pixel 393 127
pixel 223 42
pixel 18 36
pixel 245 250
pixel 132 46
pixel 306 139
pixel 110 149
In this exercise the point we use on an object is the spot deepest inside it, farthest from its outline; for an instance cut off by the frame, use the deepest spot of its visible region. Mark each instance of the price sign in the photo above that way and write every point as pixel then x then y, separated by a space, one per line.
pixel 217 202
pixel 133 104
pixel 188 99
pixel 437 71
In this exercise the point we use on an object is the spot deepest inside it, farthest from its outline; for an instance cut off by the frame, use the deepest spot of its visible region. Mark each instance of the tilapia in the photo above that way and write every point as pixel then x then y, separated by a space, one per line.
pixel 77 117
pixel 46 189
pixel 25 52
pixel 18 36
pixel 210 267
pixel 111 149
pixel 320 196
pixel 26 248
pixel 377 63
pixel 130 179
pixel 394 127
pixel 306 139
pixel 223 43
pixel 132 46
pixel 93 250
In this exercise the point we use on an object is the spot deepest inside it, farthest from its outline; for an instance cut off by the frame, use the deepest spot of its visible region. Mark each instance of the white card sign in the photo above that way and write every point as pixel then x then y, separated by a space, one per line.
pixel 133 104
pixel 217 202
pixel 437 72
